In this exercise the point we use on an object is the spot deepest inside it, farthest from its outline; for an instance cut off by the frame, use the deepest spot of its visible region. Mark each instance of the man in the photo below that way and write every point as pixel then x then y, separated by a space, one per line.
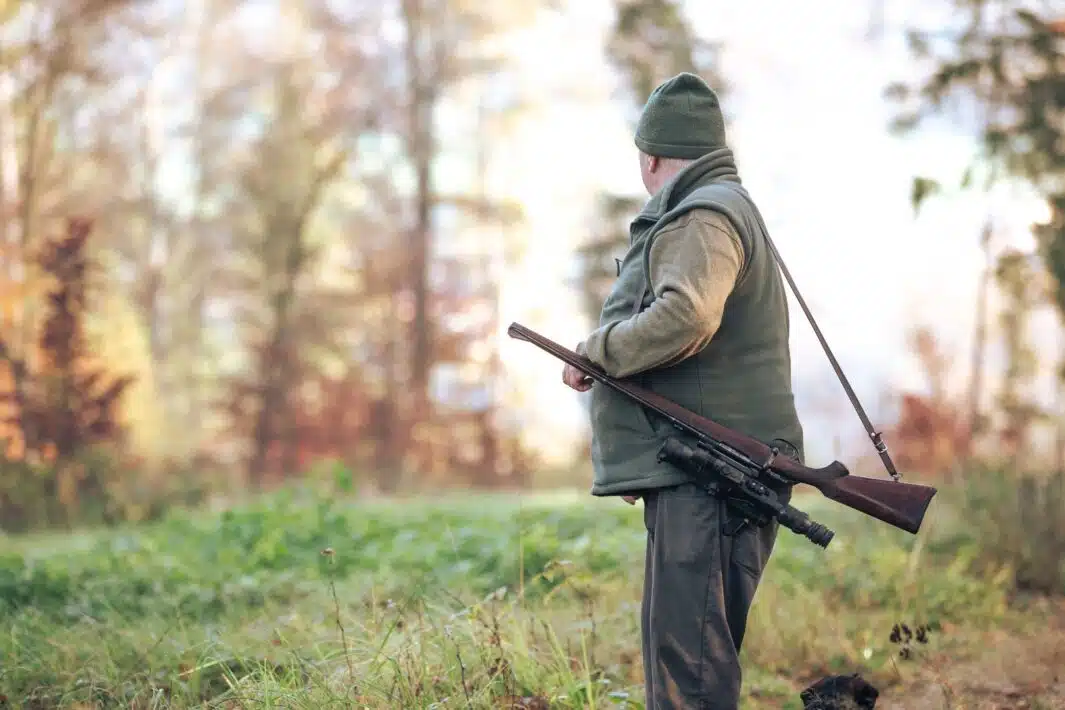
pixel 698 314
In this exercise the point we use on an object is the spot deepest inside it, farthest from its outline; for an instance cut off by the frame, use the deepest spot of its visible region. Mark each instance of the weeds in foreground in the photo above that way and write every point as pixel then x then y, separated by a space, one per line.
pixel 421 606
pixel 910 643
pixel 1016 521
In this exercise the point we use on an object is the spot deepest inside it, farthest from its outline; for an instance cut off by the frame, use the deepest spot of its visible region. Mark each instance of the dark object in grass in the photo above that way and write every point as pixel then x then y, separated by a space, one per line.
pixel 902 635
pixel 840 692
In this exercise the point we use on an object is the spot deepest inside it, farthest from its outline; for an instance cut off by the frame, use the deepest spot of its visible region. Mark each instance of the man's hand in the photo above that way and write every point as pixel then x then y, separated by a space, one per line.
pixel 631 500
pixel 576 379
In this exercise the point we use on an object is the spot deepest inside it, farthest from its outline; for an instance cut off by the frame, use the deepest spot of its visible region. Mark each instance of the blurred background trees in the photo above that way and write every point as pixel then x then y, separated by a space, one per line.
pixel 272 242
pixel 997 71
pixel 242 244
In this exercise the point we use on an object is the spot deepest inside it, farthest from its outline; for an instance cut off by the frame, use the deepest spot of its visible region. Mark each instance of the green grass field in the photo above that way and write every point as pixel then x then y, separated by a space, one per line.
pixel 302 600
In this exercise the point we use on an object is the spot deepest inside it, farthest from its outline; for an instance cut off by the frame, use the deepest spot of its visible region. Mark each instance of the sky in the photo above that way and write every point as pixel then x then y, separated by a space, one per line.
pixel 810 132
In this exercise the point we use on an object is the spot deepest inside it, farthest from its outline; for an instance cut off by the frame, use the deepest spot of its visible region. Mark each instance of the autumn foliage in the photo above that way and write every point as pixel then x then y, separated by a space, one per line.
pixel 932 433
pixel 60 404
pixel 930 437
pixel 341 419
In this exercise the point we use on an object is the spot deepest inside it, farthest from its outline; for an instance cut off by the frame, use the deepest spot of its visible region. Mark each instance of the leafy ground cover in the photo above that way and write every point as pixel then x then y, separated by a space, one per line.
pixel 310 600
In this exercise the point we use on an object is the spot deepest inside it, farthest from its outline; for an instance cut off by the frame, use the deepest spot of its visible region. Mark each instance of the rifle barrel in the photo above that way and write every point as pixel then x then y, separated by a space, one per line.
pixel 902 505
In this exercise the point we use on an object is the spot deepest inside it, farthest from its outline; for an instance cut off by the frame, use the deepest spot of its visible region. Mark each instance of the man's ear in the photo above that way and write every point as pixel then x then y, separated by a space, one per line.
pixel 652 163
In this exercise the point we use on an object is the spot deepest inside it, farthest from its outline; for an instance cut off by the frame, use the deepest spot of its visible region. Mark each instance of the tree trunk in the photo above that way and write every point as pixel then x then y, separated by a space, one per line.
pixel 422 97
pixel 277 369
pixel 976 377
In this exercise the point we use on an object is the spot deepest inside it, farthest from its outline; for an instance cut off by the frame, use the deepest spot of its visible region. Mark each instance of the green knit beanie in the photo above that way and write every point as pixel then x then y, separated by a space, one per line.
pixel 682 119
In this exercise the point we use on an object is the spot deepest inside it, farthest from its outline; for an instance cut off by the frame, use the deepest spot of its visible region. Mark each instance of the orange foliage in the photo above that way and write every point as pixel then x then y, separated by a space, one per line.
pixel 339 419
pixel 929 437
pixel 932 433
pixel 328 422
pixel 65 402
pixel 11 445
pixel 325 418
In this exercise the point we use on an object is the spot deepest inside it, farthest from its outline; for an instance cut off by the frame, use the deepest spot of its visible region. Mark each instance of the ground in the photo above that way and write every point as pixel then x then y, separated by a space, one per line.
pixel 310 599
pixel 1016 668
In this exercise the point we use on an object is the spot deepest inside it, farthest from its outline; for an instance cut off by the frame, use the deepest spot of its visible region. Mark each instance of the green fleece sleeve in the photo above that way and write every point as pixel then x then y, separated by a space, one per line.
pixel 694 265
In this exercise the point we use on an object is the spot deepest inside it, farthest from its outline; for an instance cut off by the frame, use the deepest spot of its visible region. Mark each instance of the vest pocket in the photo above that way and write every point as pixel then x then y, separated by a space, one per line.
pixel 621 427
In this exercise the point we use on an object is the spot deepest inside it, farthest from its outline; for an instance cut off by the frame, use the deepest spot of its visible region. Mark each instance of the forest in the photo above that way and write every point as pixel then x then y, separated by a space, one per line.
pixel 263 441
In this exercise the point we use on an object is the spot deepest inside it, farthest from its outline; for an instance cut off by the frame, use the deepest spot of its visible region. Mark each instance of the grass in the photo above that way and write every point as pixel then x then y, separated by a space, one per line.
pixel 302 600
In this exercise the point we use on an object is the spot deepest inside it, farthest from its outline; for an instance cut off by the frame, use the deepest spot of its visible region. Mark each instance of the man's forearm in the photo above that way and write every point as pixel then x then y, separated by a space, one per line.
pixel 694 267
pixel 660 336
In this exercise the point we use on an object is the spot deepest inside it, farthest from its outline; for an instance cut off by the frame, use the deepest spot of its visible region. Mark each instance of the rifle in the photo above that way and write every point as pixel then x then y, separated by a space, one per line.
pixel 746 471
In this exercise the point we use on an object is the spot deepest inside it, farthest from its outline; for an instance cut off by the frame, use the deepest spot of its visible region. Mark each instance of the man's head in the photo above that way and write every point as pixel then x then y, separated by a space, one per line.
pixel 681 122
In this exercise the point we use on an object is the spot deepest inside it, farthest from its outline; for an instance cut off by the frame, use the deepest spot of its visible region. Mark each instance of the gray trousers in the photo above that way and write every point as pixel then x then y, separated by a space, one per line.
pixel 698 589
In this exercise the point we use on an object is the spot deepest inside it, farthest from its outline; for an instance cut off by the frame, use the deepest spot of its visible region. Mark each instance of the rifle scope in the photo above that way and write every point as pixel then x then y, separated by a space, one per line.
pixel 733 477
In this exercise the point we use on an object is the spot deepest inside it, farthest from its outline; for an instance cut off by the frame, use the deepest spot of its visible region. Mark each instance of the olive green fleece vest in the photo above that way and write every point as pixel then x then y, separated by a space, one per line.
pixel 742 379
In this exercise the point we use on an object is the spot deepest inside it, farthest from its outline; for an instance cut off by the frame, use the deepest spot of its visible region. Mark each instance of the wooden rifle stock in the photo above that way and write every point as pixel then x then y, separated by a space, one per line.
pixel 902 505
